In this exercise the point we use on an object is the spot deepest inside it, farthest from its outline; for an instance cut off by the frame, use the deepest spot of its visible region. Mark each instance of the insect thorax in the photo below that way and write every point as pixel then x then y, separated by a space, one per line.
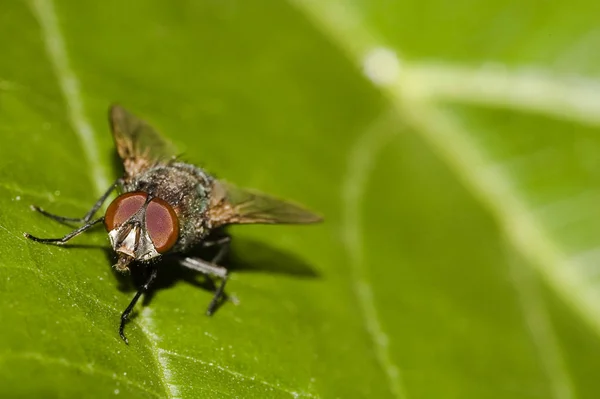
pixel 187 189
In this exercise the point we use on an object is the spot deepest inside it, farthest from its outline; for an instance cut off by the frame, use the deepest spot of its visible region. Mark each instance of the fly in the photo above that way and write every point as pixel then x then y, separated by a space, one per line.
pixel 166 206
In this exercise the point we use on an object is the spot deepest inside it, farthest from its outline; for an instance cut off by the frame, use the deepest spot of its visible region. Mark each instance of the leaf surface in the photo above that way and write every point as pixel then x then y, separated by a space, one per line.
pixel 452 151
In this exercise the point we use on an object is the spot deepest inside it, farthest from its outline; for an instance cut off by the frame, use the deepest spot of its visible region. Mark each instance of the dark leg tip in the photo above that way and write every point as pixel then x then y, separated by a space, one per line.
pixel 212 307
pixel 35 208
pixel 123 337
pixel 31 237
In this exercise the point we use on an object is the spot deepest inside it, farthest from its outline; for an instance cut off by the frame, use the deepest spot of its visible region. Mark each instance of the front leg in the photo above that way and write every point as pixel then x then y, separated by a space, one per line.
pixel 62 240
pixel 88 216
pixel 142 289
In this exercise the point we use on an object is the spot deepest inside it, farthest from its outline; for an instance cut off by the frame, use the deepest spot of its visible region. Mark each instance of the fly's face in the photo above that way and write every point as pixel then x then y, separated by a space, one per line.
pixel 140 227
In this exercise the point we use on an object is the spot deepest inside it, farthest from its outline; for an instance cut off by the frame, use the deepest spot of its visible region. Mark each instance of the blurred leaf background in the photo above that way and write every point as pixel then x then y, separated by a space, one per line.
pixel 452 147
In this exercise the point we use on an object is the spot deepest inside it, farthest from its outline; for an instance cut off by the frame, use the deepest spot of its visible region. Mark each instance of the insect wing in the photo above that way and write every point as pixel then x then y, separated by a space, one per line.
pixel 234 205
pixel 138 144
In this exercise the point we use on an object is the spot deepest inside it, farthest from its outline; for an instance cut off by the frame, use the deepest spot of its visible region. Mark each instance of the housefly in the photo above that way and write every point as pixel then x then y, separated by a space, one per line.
pixel 166 206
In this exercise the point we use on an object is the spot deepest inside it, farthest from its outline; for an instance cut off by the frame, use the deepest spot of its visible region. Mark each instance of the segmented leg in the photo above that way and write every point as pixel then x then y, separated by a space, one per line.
pixel 88 216
pixel 141 290
pixel 212 270
pixel 66 238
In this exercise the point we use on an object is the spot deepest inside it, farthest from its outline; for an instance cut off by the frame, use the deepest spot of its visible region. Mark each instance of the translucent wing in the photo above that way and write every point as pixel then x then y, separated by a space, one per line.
pixel 234 205
pixel 138 144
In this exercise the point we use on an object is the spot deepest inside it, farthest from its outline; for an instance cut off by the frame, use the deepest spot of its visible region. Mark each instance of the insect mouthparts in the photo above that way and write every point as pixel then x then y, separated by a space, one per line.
pixel 123 262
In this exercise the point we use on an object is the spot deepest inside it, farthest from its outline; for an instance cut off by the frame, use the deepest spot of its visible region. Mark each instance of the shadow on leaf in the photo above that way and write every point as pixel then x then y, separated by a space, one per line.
pixel 245 256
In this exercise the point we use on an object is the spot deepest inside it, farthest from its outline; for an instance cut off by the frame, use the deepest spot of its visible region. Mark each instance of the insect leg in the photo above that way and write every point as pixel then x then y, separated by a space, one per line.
pixel 142 289
pixel 223 242
pixel 66 238
pixel 211 270
pixel 88 216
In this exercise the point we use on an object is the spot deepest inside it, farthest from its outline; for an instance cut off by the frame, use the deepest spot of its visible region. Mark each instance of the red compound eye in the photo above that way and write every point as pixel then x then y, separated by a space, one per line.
pixel 122 208
pixel 162 225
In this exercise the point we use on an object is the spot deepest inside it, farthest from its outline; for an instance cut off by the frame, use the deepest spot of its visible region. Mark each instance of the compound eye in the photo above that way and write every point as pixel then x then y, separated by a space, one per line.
pixel 162 225
pixel 122 208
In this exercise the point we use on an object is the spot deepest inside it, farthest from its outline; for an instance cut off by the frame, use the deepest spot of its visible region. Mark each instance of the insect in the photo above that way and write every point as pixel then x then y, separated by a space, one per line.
pixel 167 206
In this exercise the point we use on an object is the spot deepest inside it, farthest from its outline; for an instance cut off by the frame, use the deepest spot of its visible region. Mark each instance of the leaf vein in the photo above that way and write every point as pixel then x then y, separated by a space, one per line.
pixel 45 14
pixel 541 331
pixel 534 90
pixel 147 326
pixel 295 394
pixel 88 369
pixel 361 161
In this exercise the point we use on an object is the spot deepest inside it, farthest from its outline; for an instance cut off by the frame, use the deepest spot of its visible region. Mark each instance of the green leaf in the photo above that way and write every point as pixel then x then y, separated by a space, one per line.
pixel 452 148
